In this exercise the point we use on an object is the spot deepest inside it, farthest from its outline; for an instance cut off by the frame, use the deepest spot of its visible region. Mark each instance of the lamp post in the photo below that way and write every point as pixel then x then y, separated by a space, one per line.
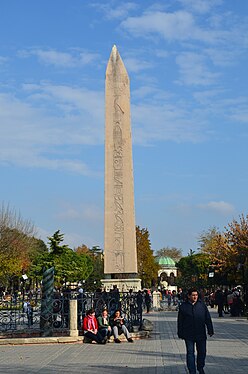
pixel 24 277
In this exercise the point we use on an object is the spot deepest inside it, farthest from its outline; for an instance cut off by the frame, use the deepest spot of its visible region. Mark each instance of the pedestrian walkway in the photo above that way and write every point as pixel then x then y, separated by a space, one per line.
pixel 163 352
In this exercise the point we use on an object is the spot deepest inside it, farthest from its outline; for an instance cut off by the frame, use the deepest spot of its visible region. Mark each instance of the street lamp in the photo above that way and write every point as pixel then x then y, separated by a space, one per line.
pixel 24 277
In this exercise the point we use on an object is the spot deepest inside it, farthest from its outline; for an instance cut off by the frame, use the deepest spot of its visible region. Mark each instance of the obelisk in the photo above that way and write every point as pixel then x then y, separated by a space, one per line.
pixel 120 253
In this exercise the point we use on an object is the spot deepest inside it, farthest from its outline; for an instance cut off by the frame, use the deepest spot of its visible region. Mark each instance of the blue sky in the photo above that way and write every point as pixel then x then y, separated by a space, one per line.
pixel 187 63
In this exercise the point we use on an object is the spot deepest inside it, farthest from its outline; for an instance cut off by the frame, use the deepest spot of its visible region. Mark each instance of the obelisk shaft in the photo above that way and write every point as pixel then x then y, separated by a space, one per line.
pixel 120 255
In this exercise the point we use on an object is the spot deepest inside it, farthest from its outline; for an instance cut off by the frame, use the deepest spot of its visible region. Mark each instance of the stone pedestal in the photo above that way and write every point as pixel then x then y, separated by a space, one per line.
pixel 124 285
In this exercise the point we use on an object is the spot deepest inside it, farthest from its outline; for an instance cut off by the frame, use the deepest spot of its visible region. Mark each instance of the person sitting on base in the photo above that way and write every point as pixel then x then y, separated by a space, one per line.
pixel 118 325
pixel 103 324
pixel 90 327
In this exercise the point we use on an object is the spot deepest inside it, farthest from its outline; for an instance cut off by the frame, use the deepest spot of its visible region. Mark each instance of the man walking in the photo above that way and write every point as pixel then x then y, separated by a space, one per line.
pixel 193 318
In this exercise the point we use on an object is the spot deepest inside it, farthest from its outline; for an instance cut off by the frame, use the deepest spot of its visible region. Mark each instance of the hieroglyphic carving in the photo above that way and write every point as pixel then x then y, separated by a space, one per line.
pixel 118 187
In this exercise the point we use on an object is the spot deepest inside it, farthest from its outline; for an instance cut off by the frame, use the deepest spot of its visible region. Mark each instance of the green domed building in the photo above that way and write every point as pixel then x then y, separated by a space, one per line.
pixel 167 273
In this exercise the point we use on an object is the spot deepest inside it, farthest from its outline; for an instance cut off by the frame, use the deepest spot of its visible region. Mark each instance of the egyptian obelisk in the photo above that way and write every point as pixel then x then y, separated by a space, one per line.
pixel 120 253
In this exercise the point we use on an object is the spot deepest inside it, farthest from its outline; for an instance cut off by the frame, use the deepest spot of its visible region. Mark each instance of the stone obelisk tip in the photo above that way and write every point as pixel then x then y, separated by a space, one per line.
pixel 114 53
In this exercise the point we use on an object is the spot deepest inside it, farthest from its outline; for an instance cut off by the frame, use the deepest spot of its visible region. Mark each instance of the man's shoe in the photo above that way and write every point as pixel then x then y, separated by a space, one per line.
pixel 130 340
pixel 117 340
pixel 201 371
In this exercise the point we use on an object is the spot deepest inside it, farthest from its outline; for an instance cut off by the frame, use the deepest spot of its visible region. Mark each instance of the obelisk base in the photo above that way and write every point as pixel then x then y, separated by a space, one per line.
pixel 124 285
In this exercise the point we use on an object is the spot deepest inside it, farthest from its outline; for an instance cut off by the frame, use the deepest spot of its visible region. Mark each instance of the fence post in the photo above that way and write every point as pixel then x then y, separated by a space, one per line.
pixel 73 318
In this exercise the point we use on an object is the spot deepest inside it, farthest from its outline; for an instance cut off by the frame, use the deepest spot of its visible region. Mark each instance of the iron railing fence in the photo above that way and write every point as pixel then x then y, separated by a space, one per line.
pixel 26 316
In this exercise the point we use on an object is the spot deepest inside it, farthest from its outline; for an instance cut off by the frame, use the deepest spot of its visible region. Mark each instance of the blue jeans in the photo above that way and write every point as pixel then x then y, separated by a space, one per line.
pixel 190 355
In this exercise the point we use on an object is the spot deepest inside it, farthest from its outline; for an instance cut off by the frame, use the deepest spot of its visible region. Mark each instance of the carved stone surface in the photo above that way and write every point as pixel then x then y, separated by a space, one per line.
pixel 119 221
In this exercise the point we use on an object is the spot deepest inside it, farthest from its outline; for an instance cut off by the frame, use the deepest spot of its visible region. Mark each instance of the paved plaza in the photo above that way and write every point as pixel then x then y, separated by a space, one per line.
pixel 163 352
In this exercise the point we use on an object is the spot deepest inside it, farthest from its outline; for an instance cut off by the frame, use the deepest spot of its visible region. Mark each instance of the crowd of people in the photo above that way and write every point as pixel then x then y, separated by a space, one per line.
pixel 227 301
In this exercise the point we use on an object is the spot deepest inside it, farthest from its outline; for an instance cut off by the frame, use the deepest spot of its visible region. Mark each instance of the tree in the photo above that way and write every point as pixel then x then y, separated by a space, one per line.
pixel 55 241
pixel 147 266
pixel 221 253
pixel 214 244
pixel 83 249
pixel 173 252
pixel 237 237
pixel 95 253
pixel 193 270
pixel 69 265
pixel 16 244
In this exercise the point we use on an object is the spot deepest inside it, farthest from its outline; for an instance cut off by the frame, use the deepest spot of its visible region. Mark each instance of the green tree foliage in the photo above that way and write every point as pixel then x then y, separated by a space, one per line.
pixel 173 252
pixel 193 270
pixel 55 241
pixel 69 265
pixel 147 266
pixel 96 255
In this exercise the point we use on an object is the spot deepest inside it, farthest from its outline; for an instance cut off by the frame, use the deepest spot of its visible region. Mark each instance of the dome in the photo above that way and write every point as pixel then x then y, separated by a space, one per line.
pixel 166 261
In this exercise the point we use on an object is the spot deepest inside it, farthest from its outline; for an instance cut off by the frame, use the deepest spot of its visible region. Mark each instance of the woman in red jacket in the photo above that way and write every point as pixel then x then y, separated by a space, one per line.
pixel 90 327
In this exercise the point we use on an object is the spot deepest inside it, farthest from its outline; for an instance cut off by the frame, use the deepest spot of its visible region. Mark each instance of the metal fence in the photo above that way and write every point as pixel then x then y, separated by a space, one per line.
pixel 26 316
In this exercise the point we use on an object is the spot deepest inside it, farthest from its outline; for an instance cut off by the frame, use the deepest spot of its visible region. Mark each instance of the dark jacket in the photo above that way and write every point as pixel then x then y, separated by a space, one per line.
pixel 193 320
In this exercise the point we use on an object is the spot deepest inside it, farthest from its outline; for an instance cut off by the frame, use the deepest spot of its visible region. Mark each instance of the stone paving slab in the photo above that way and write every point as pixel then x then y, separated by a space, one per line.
pixel 40 340
pixel 64 339
pixel 162 353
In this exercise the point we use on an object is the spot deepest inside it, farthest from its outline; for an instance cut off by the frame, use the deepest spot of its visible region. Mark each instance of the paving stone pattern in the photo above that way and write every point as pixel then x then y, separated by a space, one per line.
pixel 163 352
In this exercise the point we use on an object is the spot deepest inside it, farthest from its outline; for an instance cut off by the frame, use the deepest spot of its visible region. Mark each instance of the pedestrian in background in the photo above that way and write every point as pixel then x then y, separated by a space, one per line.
pixel 219 301
pixel 193 319
pixel 147 301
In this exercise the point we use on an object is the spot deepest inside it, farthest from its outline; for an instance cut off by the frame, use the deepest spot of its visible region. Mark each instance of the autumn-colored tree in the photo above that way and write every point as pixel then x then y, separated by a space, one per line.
pixel 82 249
pixel 224 250
pixel 237 237
pixel 173 252
pixel 16 243
pixel 147 266
pixel 214 244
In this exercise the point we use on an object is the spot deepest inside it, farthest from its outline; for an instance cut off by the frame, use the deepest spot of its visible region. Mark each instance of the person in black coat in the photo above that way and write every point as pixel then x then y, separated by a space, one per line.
pixel 193 319
pixel 219 301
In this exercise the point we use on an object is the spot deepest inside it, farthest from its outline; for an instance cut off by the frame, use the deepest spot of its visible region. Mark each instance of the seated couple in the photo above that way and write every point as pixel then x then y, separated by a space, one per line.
pixel 100 330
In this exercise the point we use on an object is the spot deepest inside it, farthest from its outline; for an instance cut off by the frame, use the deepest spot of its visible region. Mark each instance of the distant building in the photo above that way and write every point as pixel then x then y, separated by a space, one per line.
pixel 167 273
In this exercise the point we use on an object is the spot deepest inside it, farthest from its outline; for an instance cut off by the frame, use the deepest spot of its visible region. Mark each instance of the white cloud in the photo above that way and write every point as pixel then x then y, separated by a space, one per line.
pixel 200 6
pixel 233 109
pixel 158 122
pixel 81 212
pixel 194 70
pixel 136 65
pixel 177 26
pixel 113 11
pixel 60 59
pixel 3 60
pixel 36 133
pixel 222 57
pixel 221 207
